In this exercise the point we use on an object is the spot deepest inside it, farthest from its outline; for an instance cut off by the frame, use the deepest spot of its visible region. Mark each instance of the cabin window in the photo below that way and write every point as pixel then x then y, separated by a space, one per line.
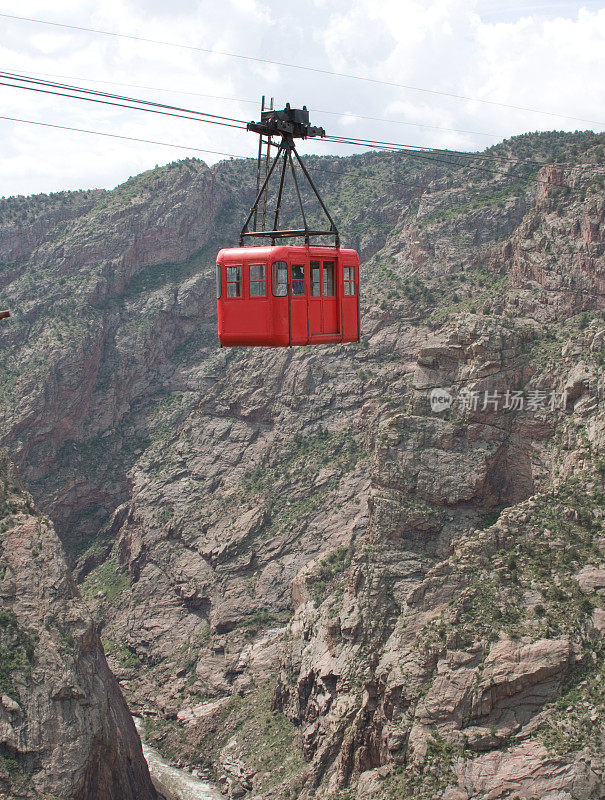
pixel 349 280
pixel 298 279
pixel 218 281
pixel 280 278
pixel 315 285
pixel 234 281
pixel 257 280
pixel 328 279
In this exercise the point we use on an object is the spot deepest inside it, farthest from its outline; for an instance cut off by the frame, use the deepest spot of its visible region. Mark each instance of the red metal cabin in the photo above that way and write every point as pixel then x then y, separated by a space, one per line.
pixel 283 295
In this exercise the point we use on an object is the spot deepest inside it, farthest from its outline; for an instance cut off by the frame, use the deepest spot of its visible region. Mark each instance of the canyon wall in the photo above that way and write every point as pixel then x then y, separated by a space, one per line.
pixel 65 729
pixel 308 580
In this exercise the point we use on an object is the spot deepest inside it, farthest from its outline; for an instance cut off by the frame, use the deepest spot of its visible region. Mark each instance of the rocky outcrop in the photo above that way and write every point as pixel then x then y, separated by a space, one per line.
pixel 65 729
pixel 563 253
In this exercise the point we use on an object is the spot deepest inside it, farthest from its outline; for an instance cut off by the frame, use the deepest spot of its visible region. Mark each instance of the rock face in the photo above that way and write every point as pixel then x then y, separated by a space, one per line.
pixel 468 638
pixel 65 730
pixel 312 582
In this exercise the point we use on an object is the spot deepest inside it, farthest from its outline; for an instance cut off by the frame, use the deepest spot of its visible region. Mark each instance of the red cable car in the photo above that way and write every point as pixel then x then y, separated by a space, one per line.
pixel 281 295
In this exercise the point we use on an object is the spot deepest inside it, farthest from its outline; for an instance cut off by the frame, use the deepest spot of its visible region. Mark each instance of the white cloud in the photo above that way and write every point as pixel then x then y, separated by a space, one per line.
pixel 541 56
pixel 347 120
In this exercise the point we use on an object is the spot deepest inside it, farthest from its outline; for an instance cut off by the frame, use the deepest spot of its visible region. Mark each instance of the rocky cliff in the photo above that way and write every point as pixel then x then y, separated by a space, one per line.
pixel 65 730
pixel 309 580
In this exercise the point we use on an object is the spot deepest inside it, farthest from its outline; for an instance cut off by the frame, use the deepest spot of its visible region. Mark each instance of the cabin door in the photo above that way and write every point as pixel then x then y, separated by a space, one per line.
pixel 323 307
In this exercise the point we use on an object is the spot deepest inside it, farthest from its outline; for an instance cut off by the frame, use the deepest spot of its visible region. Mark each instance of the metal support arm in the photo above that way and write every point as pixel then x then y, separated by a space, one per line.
pixel 288 124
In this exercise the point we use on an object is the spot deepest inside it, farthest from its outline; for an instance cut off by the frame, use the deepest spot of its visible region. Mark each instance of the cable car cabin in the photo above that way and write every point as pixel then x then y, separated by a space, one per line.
pixel 282 296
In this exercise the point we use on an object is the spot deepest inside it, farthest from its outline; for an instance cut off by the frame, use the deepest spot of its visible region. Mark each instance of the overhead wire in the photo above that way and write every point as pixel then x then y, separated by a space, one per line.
pixel 17 80
pixel 120 136
pixel 255 103
pixel 317 70
pixel 133 104
pixel 150 88
pixel 28 79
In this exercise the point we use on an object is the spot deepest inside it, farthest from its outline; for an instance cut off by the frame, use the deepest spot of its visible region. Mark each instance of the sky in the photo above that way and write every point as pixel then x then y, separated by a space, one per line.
pixel 515 67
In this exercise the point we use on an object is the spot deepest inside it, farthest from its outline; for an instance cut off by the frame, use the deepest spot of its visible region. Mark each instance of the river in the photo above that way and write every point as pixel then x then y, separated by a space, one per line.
pixel 177 783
